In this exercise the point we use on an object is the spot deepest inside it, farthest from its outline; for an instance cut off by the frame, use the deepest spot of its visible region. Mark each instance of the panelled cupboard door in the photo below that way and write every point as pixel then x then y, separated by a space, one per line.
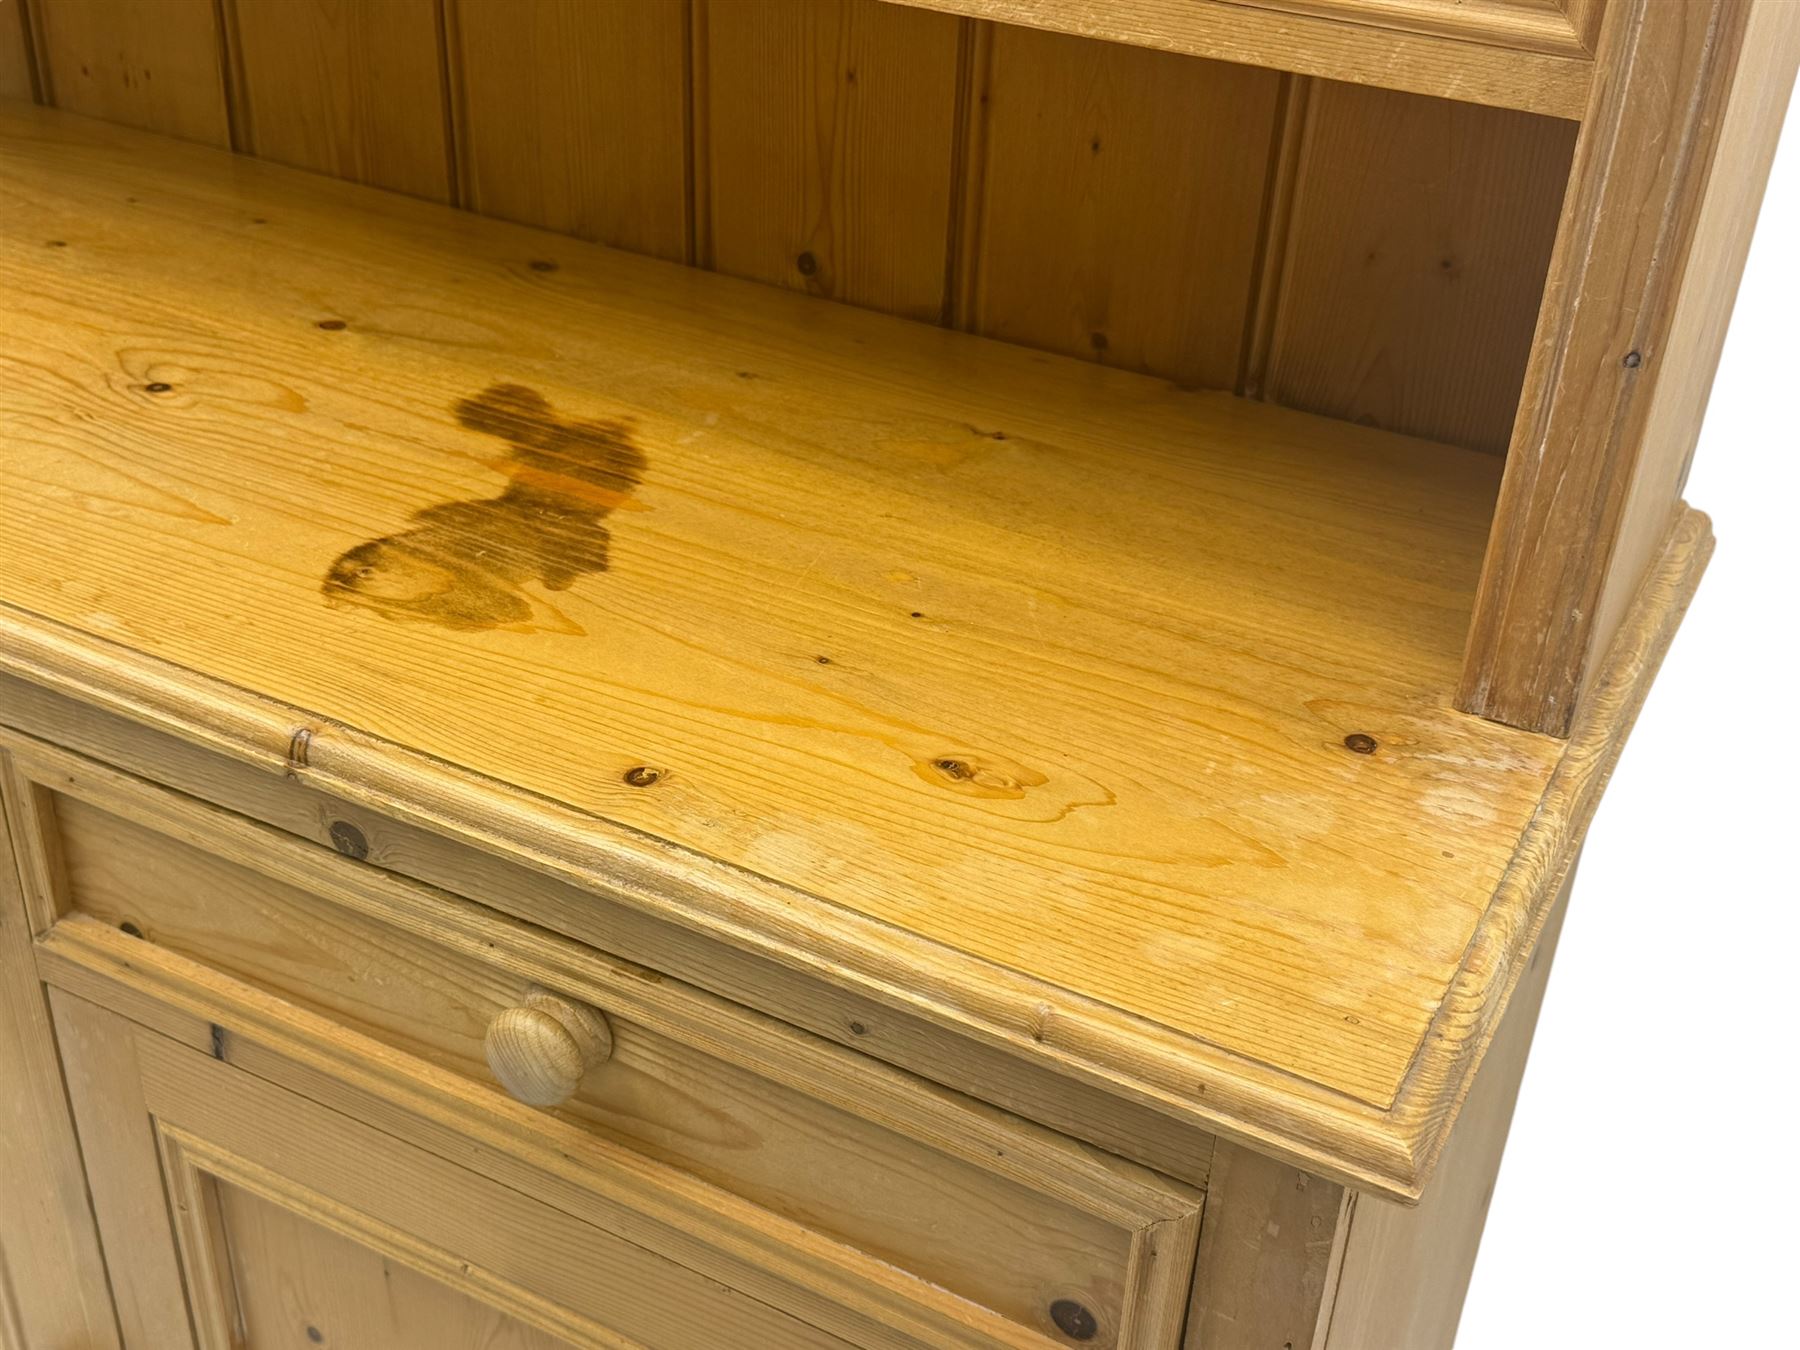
pixel 236 1213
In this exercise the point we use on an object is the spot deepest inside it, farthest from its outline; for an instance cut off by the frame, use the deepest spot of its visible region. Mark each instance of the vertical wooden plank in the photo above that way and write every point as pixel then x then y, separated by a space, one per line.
pixel 48 1244
pixel 1609 327
pixel 1116 204
pixel 16 78
pixel 830 146
pixel 118 1142
pixel 1270 1241
pixel 157 66
pixel 572 115
pixel 351 88
pixel 1405 1272
pixel 1420 236
pixel 1760 91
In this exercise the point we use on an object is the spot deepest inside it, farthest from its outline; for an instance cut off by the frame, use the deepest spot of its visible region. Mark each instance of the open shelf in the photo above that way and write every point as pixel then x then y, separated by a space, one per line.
pixel 1003 684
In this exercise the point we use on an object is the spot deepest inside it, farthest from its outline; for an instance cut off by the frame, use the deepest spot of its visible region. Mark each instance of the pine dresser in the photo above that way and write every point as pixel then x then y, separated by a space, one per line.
pixel 821 673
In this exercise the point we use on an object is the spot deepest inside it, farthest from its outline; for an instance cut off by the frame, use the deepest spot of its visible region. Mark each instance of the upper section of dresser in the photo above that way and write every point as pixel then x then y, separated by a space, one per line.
pixel 1042 688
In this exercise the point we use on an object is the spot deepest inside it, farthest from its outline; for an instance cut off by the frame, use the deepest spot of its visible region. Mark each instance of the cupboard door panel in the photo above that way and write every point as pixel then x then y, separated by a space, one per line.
pixel 287 1213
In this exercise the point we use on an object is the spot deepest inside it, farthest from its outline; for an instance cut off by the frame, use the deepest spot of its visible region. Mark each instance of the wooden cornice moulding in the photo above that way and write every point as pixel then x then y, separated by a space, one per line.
pixel 1386 1152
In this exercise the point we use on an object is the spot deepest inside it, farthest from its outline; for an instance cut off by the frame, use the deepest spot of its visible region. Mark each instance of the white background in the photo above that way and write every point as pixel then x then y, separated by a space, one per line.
pixel 1647 1197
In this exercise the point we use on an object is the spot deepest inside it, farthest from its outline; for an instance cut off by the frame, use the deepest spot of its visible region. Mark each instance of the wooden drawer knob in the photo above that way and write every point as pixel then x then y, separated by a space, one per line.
pixel 541 1049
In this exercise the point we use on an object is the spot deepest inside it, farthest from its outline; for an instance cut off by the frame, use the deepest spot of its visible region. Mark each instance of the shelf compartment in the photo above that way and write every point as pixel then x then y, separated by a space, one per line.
pixel 1104 721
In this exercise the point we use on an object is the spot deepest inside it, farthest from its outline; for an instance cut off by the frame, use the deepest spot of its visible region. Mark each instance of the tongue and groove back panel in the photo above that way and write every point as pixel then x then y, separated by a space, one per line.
pixel 1366 254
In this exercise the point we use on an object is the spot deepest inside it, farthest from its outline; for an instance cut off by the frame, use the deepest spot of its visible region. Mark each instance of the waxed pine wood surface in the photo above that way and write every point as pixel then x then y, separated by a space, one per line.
pixel 344 87
pixel 286 1264
pixel 498 1246
pixel 1115 198
pixel 1418 236
pixel 156 66
pixel 15 52
pixel 573 115
pixel 1525 56
pixel 827 144
pixel 1145 623
pixel 1094 198
pixel 840 1174
pixel 1666 181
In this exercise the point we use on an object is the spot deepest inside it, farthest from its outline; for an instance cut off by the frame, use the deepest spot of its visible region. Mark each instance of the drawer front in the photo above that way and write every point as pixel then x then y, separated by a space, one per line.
pixel 236 1212
pixel 1000 1231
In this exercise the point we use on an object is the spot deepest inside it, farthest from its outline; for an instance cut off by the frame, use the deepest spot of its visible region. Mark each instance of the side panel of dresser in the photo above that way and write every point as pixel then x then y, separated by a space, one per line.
pixel 53 1285
pixel 1669 170
pixel 1287 1259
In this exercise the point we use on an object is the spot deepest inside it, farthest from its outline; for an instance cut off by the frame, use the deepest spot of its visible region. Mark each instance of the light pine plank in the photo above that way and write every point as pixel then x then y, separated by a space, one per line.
pixel 352 88
pixel 1416 254
pixel 573 115
pixel 880 1035
pixel 912 817
pixel 1761 89
pixel 1269 1246
pixel 156 66
pixel 1294 35
pixel 300 1286
pixel 983 488
pixel 16 78
pixel 841 1174
pixel 1404 1271
pixel 50 1263
pixel 1624 352
pixel 1115 203
pixel 118 1144
pixel 829 147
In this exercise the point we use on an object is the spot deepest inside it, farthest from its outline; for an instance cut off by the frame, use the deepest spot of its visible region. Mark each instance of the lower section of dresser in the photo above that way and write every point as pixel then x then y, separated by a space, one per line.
pixel 199 1156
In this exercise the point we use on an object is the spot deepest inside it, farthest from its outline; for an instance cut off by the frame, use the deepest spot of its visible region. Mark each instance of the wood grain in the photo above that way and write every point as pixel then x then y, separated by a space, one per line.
pixel 1403 1272
pixel 660 1209
pixel 1415 258
pixel 1268 1254
pixel 1115 202
pixel 1022 733
pixel 880 1034
pixel 496 1245
pixel 1035 1213
pixel 17 77
pixel 573 115
pixel 159 67
pixel 829 149
pixel 895 775
pixel 118 1146
pixel 50 1263
pixel 1280 37
pixel 352 88
pixel 1565 26
pixel 295 1277
pixel 1761 87
pixel 1609 328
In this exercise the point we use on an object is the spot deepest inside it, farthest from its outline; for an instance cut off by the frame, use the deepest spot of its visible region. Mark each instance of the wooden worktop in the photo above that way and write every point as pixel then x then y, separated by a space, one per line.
pixel 1100 720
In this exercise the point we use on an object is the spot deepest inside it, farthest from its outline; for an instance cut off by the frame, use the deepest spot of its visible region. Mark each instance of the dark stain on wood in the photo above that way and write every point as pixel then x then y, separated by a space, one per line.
pixel 465 564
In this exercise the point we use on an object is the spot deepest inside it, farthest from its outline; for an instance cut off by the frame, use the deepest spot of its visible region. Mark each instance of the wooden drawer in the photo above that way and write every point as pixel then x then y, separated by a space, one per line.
pixel 953 1222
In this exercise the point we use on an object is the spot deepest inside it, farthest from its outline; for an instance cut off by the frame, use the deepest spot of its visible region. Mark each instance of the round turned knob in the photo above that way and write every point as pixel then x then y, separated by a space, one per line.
pixel 540 1049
